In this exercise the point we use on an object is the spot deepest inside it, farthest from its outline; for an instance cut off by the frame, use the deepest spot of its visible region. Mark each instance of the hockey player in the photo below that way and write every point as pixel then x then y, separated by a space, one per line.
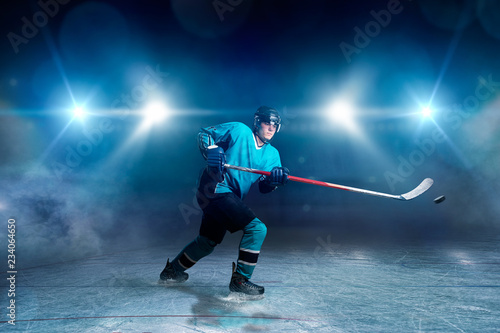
pixel 221 191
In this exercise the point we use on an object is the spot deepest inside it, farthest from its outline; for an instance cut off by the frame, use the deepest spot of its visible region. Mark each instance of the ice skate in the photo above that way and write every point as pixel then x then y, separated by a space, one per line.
pixel 169 274
pixel 240 284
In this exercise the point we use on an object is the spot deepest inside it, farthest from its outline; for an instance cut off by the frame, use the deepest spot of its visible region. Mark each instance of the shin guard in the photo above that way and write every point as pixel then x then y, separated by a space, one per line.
pixel 251 242
pixel 200 247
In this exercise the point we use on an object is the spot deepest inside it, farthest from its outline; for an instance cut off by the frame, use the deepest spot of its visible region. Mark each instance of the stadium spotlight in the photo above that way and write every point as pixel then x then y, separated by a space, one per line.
pixel 426 112
pixel 154 112
pixel 341 112
pixel 78 112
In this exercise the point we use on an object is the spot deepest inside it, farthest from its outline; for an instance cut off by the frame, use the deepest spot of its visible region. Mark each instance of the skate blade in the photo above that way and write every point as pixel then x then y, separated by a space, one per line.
pixel 169 282
pixel 241 297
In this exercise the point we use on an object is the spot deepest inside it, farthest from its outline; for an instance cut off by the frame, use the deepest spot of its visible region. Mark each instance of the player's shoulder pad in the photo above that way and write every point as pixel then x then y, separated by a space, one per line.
pixel 237 126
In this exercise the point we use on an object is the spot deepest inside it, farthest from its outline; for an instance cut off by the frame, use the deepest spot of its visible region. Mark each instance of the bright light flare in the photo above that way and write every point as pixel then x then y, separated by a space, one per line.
pixel 155 112
pixel 341 112
pixel 426 112
pixel 78 112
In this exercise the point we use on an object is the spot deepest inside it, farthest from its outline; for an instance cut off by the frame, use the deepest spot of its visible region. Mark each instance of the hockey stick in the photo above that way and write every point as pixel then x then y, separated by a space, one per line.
pixel 424 185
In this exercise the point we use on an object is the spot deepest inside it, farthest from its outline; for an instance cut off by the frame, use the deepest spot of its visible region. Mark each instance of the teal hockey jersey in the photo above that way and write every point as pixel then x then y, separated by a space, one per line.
pixel 240 146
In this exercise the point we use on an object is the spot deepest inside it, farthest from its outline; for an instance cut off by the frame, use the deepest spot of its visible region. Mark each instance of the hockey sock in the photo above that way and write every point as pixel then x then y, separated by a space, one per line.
pixel 251 242
pixel 200 247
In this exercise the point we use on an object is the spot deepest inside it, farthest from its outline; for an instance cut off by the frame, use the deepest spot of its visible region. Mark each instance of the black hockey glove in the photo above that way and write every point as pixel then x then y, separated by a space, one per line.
pixel 216 158
pixel 279 176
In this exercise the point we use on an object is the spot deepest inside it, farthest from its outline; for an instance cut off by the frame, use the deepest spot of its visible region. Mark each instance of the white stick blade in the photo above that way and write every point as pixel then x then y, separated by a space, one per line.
pixel 424 186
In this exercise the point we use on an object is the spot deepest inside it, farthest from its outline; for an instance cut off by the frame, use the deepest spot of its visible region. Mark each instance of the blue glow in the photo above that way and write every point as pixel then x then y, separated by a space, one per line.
pixel 54 142
pixel 446 63
pixel 458 153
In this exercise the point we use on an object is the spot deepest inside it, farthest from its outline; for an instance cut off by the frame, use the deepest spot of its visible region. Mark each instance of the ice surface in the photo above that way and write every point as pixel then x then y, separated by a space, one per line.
pixel 320 286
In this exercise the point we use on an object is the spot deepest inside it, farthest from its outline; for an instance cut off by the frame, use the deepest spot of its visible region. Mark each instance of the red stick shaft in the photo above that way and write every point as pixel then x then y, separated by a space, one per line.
pixel 293 178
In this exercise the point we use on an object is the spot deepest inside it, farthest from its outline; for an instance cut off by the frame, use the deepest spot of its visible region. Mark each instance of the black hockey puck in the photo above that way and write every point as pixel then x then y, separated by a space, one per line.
pixel 440 199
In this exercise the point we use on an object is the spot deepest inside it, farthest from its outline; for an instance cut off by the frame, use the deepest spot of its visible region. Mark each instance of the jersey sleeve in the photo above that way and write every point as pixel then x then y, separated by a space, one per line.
pixel 274 161
pixel 214 135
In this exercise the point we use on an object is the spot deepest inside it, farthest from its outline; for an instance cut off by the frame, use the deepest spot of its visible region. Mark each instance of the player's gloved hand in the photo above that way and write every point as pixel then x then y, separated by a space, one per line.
pixel 279 176
pixel 216 158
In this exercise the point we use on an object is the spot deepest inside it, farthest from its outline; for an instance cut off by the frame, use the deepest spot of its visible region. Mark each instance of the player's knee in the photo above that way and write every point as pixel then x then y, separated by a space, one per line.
pixel 205 244
pixel 262 229
pixel 257 227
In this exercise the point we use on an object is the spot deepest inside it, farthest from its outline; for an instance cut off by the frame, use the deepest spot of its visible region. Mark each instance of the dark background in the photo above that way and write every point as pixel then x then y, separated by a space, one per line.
pixel 134 188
